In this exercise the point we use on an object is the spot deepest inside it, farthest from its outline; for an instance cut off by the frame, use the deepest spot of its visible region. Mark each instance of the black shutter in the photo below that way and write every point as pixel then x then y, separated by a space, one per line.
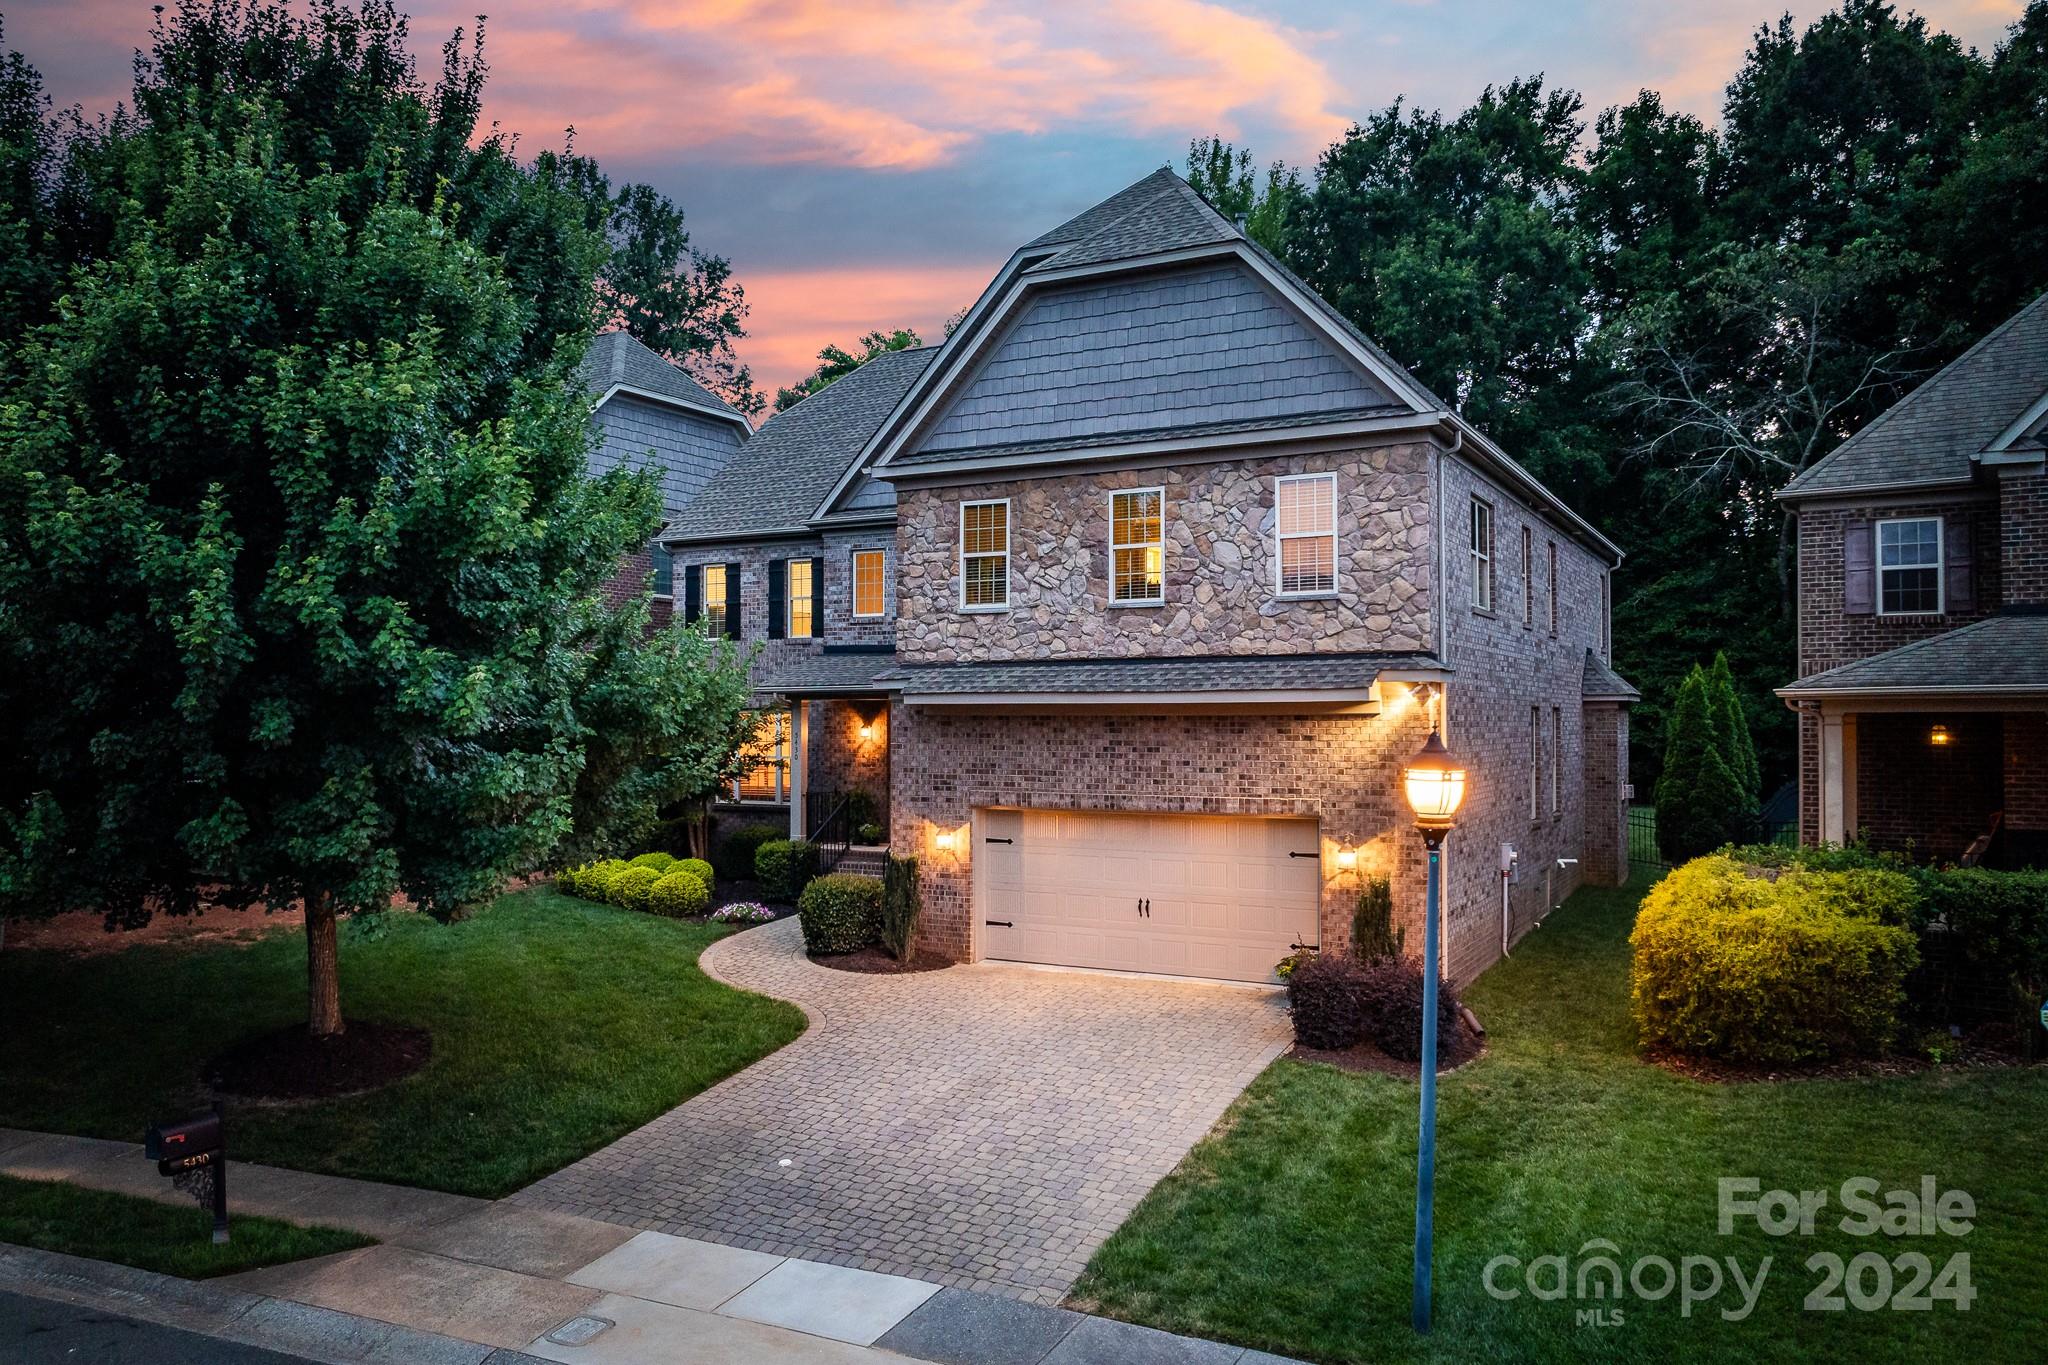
pixel 817 599
pixel 732 601
pixel 693 592
pixel 778 596
pixel 1957 565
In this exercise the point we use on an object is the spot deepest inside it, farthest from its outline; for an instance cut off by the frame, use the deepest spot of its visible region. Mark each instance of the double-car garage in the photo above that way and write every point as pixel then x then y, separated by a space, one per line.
pixel 1214 896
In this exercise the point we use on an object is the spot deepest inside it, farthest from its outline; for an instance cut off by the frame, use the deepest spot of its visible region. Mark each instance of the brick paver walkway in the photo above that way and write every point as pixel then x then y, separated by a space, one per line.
pixel 985 1126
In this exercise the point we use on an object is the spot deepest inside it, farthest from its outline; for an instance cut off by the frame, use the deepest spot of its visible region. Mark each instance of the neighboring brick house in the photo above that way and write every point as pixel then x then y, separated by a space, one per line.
pixel 1177 568
pixel 1923 615
pixel 648 413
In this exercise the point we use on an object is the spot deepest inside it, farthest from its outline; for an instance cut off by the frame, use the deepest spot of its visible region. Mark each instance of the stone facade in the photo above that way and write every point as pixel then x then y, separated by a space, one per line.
pixel 1219 565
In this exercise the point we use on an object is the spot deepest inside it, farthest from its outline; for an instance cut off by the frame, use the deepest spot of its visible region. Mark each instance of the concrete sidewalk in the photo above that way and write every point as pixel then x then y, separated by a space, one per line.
pixel 468 1281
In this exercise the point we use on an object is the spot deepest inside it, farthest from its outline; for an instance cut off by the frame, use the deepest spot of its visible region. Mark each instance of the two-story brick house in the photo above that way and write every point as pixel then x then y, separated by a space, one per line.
pixel 646 413
pixel 1167 572
pixel 1923 614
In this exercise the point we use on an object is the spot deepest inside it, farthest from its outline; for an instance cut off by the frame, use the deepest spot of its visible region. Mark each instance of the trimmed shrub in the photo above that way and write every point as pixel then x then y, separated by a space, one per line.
pixel 840 912
pixel 784 867
pixel 1757 968
pixel 1390 1005
pixel 1984 949
pixel 1373 935
pixel 1326 992
pixel 565 880
pixel 900 903
pixel 699 869
pixel 734 857
pixel 595 881
pixel 631 888
pixel 679 895
pixel 660 862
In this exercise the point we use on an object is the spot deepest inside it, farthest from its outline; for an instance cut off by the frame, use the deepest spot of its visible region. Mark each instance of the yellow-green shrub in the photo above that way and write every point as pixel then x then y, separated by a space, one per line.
pixel 594 883
pixel 1754 968
pixel 698 868
pixel 679 894
pixel 630 888
pixel 660 862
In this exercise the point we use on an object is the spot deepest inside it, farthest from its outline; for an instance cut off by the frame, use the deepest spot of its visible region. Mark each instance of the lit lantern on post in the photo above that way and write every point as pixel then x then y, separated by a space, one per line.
pixel 1435 783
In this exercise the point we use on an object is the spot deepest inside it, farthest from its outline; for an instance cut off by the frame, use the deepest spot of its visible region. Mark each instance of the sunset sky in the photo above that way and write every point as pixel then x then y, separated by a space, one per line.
pixel 867 164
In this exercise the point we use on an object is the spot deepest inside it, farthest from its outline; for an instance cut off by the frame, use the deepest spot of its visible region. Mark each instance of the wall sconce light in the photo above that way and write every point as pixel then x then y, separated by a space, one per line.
pixel 1347 858
pixel 867 731
pixel 1938 736
pixel 944 840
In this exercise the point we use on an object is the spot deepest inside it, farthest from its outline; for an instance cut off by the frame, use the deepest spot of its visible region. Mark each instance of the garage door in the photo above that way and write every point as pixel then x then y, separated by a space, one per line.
pixel 1184 895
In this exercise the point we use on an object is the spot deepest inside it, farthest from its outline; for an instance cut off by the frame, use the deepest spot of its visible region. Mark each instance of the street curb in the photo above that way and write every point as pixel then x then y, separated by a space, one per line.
pixel 233 1315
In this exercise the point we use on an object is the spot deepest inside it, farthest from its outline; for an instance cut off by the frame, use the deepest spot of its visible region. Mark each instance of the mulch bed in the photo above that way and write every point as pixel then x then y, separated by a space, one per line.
pixel 732 893
pixel 1455 1048
pixel 291 1064
pixel 877 962
pixel 1969 1054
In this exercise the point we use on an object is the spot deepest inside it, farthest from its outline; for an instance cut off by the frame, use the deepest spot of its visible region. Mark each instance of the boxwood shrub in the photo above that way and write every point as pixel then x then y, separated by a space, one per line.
pixel 784 866
pixel 734 855
pixel 679 894
pixel 594 883
pixel 1772 965
pixel 699 869
pixel 660 862
pixel 631 888
pixel 1327 993
pixel 841 912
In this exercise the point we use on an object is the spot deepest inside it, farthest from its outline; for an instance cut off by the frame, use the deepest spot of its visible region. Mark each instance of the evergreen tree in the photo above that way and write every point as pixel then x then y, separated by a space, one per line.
pixel 299 555
pixel 1699 797
pixel 1732 722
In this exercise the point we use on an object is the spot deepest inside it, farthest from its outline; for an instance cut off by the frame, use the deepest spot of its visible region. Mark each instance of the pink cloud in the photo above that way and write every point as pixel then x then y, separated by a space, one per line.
pixel 795 312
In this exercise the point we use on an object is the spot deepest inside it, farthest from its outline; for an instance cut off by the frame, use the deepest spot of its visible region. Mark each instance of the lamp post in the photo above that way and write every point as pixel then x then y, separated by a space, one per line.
pixel 1435 784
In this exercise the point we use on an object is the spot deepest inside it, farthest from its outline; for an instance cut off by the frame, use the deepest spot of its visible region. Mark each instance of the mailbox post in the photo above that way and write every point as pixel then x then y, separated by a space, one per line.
pixel 193 1153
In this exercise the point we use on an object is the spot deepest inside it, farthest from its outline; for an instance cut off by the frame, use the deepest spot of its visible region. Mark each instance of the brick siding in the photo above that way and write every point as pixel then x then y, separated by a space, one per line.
pixel 2026 770
pixel 1829 636
pixel 1933 798
pixel 2023 535
pixel 840 759
pixel 630 582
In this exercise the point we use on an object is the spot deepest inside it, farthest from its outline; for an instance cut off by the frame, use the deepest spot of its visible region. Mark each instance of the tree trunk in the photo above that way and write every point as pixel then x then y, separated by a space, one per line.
pixel 323 980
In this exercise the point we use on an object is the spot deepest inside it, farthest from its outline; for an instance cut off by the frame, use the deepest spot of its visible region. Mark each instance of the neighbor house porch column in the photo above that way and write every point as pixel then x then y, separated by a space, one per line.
pixel 1837 776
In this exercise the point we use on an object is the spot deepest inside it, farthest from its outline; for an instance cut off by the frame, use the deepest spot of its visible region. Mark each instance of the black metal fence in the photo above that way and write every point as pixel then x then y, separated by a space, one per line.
pixel 1642 836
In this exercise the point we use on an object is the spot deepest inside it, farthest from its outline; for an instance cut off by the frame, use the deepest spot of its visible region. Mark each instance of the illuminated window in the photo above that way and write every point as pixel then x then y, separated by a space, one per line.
pixel 803 599
pixel 1482 555
pixel 1305 529
pixel 766 756
pixel 1137 546
pixel 714 598
pixel 1909 567
pixel 984 555
pixel 869 598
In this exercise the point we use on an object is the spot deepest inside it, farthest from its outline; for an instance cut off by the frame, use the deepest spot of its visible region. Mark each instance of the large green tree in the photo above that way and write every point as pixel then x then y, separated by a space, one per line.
pixel 835 362
pixel 298 553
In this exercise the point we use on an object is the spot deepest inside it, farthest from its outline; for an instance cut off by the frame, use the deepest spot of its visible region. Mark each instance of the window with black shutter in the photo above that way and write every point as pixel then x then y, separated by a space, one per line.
pixel 732 601
pixel 778 580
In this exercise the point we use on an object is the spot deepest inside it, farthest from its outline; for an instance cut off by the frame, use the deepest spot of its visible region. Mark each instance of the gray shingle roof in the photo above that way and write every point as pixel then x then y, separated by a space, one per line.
pixel 1093 219
pixel 617 358
pixel 829 672
pixel 1602 683
pixel 1202 673
pixel 1999 653
pixel 1162 212
pixel 1930 435
pixel 796 457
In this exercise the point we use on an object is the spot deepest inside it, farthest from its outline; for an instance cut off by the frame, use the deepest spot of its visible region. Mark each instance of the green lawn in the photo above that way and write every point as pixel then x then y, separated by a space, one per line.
pixel 558 1025
pixel 176 1239
pixel 1290 1227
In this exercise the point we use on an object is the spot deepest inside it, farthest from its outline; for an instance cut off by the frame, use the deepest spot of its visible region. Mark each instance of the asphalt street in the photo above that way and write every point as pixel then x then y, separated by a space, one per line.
pixel 44 1332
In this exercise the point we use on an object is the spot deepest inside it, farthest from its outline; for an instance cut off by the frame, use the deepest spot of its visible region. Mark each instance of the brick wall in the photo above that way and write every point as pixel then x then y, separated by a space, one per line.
pixel 1606 845
pixel 1934 797
pixel 841 759
pixel 1828 636
pixel 1809 774
pixel 631 581
pixel 1219 564
pixel 836 551
pixel 2026 770
pixel 2023 535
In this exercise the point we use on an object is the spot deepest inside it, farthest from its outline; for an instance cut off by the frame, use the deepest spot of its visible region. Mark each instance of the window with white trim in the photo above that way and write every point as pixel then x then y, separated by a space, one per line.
pixel 1909 567
pixel 802 596
pixel 712 599
pixel 1137 546
pixel 985 555
pixel 1482 555
pixel 870 596
pixel 1305 533
pixel 766 754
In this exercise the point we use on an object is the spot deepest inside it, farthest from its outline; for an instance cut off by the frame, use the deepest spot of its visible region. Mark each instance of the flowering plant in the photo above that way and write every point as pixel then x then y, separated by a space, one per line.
pixel 742 912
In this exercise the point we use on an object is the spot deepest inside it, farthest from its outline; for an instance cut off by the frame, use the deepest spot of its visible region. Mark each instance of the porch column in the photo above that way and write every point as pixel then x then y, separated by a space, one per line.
pixel 799 764
pixel 1837 777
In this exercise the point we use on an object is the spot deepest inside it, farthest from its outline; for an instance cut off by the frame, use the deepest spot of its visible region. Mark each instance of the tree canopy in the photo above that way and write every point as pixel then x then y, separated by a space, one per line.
pixel 299 554
pixel 836 362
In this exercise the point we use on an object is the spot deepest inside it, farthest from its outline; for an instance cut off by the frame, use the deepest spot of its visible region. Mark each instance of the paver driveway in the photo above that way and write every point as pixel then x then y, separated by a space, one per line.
pixel 985 1126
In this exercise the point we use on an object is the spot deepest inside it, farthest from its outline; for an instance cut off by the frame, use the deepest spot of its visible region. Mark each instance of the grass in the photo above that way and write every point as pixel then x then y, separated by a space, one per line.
pixel 1289 1228
pixel 170 1238
pixel 558 1025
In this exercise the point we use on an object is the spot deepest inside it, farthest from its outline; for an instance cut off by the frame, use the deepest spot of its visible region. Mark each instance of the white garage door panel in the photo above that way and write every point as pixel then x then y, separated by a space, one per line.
pixel 1226 899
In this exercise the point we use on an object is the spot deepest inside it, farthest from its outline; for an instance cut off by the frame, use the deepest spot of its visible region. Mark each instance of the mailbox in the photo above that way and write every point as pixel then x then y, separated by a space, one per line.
pixel 193 1153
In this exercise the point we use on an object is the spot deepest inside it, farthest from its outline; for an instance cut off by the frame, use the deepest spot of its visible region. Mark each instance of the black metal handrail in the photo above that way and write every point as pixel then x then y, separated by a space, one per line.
pixel 832 833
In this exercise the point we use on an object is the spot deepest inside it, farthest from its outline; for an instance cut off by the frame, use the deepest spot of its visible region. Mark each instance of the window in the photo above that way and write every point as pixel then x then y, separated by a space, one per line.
pixel 1553 587
pixel 1528 581
pixel 1482 555
pixel 664 570
pixel 1137 546
pixel 984 555
pixel 1556 758
pixel 803 598
pixel 870 599
pixel 1306 530
pixel 714 597
pixel 1909 566
pixel 1535 763
pixel 766 776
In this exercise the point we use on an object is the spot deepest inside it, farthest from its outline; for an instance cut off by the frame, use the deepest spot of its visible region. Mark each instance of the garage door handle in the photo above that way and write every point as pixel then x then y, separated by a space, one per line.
pixel 1301 855
pixel 992 839
pixel 1000 923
